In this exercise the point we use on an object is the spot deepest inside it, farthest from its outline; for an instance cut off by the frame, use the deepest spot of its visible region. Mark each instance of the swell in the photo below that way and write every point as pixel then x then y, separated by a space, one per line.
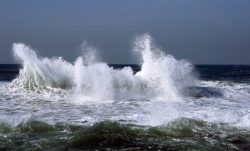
pixel 181 134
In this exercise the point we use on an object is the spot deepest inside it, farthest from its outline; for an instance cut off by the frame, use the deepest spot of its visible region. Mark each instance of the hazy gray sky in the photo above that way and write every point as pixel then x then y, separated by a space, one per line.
pixel 202 31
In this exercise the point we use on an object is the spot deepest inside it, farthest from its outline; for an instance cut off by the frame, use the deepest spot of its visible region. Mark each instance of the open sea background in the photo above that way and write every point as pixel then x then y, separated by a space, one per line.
pixel 161 104
pixel 233 73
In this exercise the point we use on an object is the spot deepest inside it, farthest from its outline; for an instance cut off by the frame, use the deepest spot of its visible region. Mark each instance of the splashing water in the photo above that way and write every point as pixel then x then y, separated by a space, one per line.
pixel 40 73
pixel 161 76
pixel 164 73
pixel 88 103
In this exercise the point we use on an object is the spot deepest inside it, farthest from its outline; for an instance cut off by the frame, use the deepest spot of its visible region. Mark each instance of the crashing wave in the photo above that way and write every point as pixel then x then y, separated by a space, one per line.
pixel 161 76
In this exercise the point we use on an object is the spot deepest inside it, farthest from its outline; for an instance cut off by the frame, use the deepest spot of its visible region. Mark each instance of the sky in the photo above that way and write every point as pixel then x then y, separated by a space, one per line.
pixel 201 31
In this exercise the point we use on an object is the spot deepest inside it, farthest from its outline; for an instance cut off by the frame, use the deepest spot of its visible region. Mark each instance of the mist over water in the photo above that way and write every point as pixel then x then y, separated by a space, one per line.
pixel 89 103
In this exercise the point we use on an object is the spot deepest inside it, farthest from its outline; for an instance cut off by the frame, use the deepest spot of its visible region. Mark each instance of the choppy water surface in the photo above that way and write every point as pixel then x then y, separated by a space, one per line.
pixel 163 104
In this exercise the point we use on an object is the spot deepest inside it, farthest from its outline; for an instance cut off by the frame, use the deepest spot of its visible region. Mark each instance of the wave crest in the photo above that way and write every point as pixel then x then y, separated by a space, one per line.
pixel 161 76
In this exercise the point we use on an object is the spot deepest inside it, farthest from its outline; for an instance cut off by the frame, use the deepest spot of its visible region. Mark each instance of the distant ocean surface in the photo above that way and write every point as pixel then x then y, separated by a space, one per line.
pixel 161 104
pixel 233 73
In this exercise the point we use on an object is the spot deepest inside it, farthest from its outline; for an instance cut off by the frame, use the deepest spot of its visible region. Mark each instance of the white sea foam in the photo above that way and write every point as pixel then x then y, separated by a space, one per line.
pixel 163 90
pixel 161 76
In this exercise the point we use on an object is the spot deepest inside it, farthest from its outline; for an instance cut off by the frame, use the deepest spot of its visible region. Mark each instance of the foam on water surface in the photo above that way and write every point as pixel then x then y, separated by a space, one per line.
pixel 161 76
pixel 88 91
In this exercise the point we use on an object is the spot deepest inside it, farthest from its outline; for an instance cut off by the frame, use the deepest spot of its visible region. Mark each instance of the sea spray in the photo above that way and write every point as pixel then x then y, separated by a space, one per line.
pixel 40 72
pixel 90 54
pixel 161 76
pixel 164 73
pixel 214 117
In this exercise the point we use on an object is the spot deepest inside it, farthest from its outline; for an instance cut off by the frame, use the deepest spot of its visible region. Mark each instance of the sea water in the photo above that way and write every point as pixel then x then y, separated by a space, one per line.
pixel 162 103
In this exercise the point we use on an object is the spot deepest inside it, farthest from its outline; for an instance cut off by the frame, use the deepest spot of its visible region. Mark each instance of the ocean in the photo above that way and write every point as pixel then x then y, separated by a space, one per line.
pixel 159 104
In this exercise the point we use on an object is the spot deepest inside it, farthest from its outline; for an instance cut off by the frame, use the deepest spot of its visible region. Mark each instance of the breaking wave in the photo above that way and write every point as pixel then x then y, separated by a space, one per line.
pixel 183 113
pixel 161 76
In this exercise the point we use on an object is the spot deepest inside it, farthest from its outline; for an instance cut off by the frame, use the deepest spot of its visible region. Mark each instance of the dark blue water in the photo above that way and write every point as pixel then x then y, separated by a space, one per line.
pixel 8 71
pixel 234 73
